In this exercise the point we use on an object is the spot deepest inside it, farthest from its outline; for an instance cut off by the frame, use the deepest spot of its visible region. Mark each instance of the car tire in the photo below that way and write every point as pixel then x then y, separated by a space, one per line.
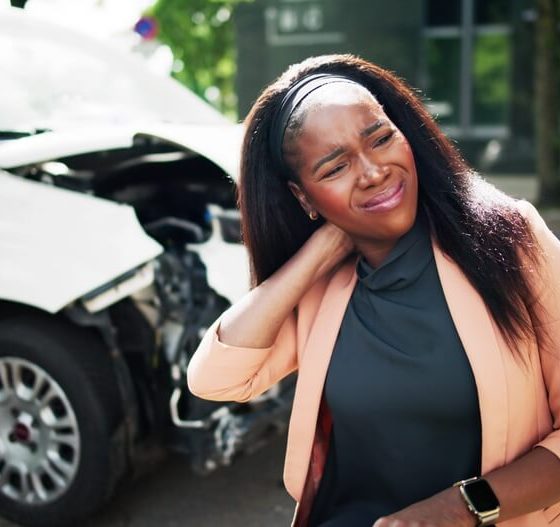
pixel 59 416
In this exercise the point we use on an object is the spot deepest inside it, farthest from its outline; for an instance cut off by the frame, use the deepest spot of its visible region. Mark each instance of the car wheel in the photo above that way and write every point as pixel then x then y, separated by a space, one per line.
pixel 58 413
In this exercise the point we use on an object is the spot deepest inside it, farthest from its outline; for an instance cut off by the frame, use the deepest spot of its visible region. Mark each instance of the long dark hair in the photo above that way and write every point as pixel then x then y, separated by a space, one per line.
pixel 475 224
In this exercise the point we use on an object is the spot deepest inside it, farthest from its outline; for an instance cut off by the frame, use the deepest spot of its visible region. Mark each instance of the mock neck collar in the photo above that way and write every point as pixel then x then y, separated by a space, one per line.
pixel 404 263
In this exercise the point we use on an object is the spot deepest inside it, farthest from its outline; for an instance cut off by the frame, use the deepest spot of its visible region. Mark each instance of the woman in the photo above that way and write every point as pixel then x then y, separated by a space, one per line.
pixel 418 304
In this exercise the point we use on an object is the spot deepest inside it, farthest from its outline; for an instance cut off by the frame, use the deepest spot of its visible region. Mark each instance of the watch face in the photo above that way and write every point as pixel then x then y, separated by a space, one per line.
pixel 481 495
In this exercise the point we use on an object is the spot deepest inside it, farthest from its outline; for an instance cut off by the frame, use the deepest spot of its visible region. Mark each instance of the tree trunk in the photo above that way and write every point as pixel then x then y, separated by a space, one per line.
pixel 547 88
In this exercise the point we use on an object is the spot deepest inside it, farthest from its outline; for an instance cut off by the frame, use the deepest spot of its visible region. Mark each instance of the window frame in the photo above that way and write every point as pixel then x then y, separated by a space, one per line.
pixel 466 32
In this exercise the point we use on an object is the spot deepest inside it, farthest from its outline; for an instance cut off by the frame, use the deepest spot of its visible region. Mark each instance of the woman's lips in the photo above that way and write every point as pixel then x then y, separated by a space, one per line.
pixel 386 200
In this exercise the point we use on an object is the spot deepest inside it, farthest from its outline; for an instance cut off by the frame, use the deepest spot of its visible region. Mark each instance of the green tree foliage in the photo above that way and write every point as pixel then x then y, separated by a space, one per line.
pixel 491 69
pixel 201 35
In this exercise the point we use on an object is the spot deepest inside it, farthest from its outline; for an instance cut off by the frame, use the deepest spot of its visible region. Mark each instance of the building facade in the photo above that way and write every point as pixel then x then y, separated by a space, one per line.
pixel 472 60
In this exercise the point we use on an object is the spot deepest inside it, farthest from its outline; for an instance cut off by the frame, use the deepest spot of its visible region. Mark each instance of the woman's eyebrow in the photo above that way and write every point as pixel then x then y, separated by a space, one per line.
pixel 338 151
pixel 372 128
pixel 329 157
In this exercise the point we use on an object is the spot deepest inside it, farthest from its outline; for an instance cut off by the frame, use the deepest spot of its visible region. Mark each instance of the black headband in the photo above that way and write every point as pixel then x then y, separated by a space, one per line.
pixel 291 100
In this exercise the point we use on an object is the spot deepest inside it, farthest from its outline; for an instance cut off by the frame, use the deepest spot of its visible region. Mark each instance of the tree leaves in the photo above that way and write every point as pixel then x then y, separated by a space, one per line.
pixel 201 35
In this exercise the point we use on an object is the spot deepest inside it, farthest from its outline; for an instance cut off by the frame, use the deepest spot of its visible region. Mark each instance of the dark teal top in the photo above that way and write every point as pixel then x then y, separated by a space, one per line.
pixel 406 421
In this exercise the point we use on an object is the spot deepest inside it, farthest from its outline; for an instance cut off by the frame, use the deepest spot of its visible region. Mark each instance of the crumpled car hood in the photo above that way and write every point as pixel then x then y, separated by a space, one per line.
pixel 220 143
pixel 58 245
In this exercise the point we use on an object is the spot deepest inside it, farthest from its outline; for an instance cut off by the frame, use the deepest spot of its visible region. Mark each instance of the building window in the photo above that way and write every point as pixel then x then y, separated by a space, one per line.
pixel 467 65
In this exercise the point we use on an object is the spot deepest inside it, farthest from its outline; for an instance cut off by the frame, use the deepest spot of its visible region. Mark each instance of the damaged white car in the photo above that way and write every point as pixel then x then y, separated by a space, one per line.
pixel 119 244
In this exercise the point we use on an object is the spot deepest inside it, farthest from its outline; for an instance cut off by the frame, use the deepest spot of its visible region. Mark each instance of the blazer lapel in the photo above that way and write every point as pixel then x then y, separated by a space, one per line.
pixel 311 377
pixel 478 336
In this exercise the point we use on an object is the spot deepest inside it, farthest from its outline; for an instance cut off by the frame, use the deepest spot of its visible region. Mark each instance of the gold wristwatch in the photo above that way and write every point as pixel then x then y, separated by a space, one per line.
pixel 480 499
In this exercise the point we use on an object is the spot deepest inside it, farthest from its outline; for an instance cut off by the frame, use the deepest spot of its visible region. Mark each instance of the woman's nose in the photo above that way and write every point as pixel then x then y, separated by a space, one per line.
pixel 373 174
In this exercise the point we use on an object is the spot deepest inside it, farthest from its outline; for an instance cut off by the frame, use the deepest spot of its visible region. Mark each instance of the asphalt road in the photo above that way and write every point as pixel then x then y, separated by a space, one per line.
pixel 249 493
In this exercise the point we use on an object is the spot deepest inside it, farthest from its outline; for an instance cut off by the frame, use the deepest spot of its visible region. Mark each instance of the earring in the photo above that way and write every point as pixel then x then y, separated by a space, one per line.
pixel 313 215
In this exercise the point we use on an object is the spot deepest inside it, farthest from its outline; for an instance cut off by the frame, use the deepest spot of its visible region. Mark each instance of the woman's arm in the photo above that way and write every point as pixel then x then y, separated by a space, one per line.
pixel 527 484
pixel 253 345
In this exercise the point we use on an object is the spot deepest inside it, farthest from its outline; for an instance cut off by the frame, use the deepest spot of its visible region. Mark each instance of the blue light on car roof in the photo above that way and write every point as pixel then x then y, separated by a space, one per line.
pixel 146 27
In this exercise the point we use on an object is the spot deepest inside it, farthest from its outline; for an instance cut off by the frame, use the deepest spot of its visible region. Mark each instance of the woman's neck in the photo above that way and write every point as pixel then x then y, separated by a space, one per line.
pixel 374 252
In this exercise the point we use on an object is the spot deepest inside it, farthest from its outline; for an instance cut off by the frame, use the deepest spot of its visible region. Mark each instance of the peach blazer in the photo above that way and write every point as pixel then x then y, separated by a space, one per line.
pixel 519 404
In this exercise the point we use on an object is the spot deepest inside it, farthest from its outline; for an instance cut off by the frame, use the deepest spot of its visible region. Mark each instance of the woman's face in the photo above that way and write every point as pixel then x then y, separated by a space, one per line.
pixel 355 167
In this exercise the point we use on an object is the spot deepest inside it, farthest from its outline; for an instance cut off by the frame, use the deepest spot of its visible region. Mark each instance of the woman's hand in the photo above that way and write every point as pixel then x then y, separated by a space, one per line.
pixel 445 509
pixel 331 244
pixel 255 320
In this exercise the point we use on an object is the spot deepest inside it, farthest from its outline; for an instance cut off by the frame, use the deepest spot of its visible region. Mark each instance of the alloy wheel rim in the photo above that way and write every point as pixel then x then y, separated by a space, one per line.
pixel 39 434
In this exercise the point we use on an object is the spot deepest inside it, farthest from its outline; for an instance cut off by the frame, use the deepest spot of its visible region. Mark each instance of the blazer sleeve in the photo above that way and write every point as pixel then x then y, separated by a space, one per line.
pixel 220 372
pixel 548 294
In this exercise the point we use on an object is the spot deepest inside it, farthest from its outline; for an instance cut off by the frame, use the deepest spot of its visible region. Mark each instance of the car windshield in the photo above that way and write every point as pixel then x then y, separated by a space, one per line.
pixel 52 76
